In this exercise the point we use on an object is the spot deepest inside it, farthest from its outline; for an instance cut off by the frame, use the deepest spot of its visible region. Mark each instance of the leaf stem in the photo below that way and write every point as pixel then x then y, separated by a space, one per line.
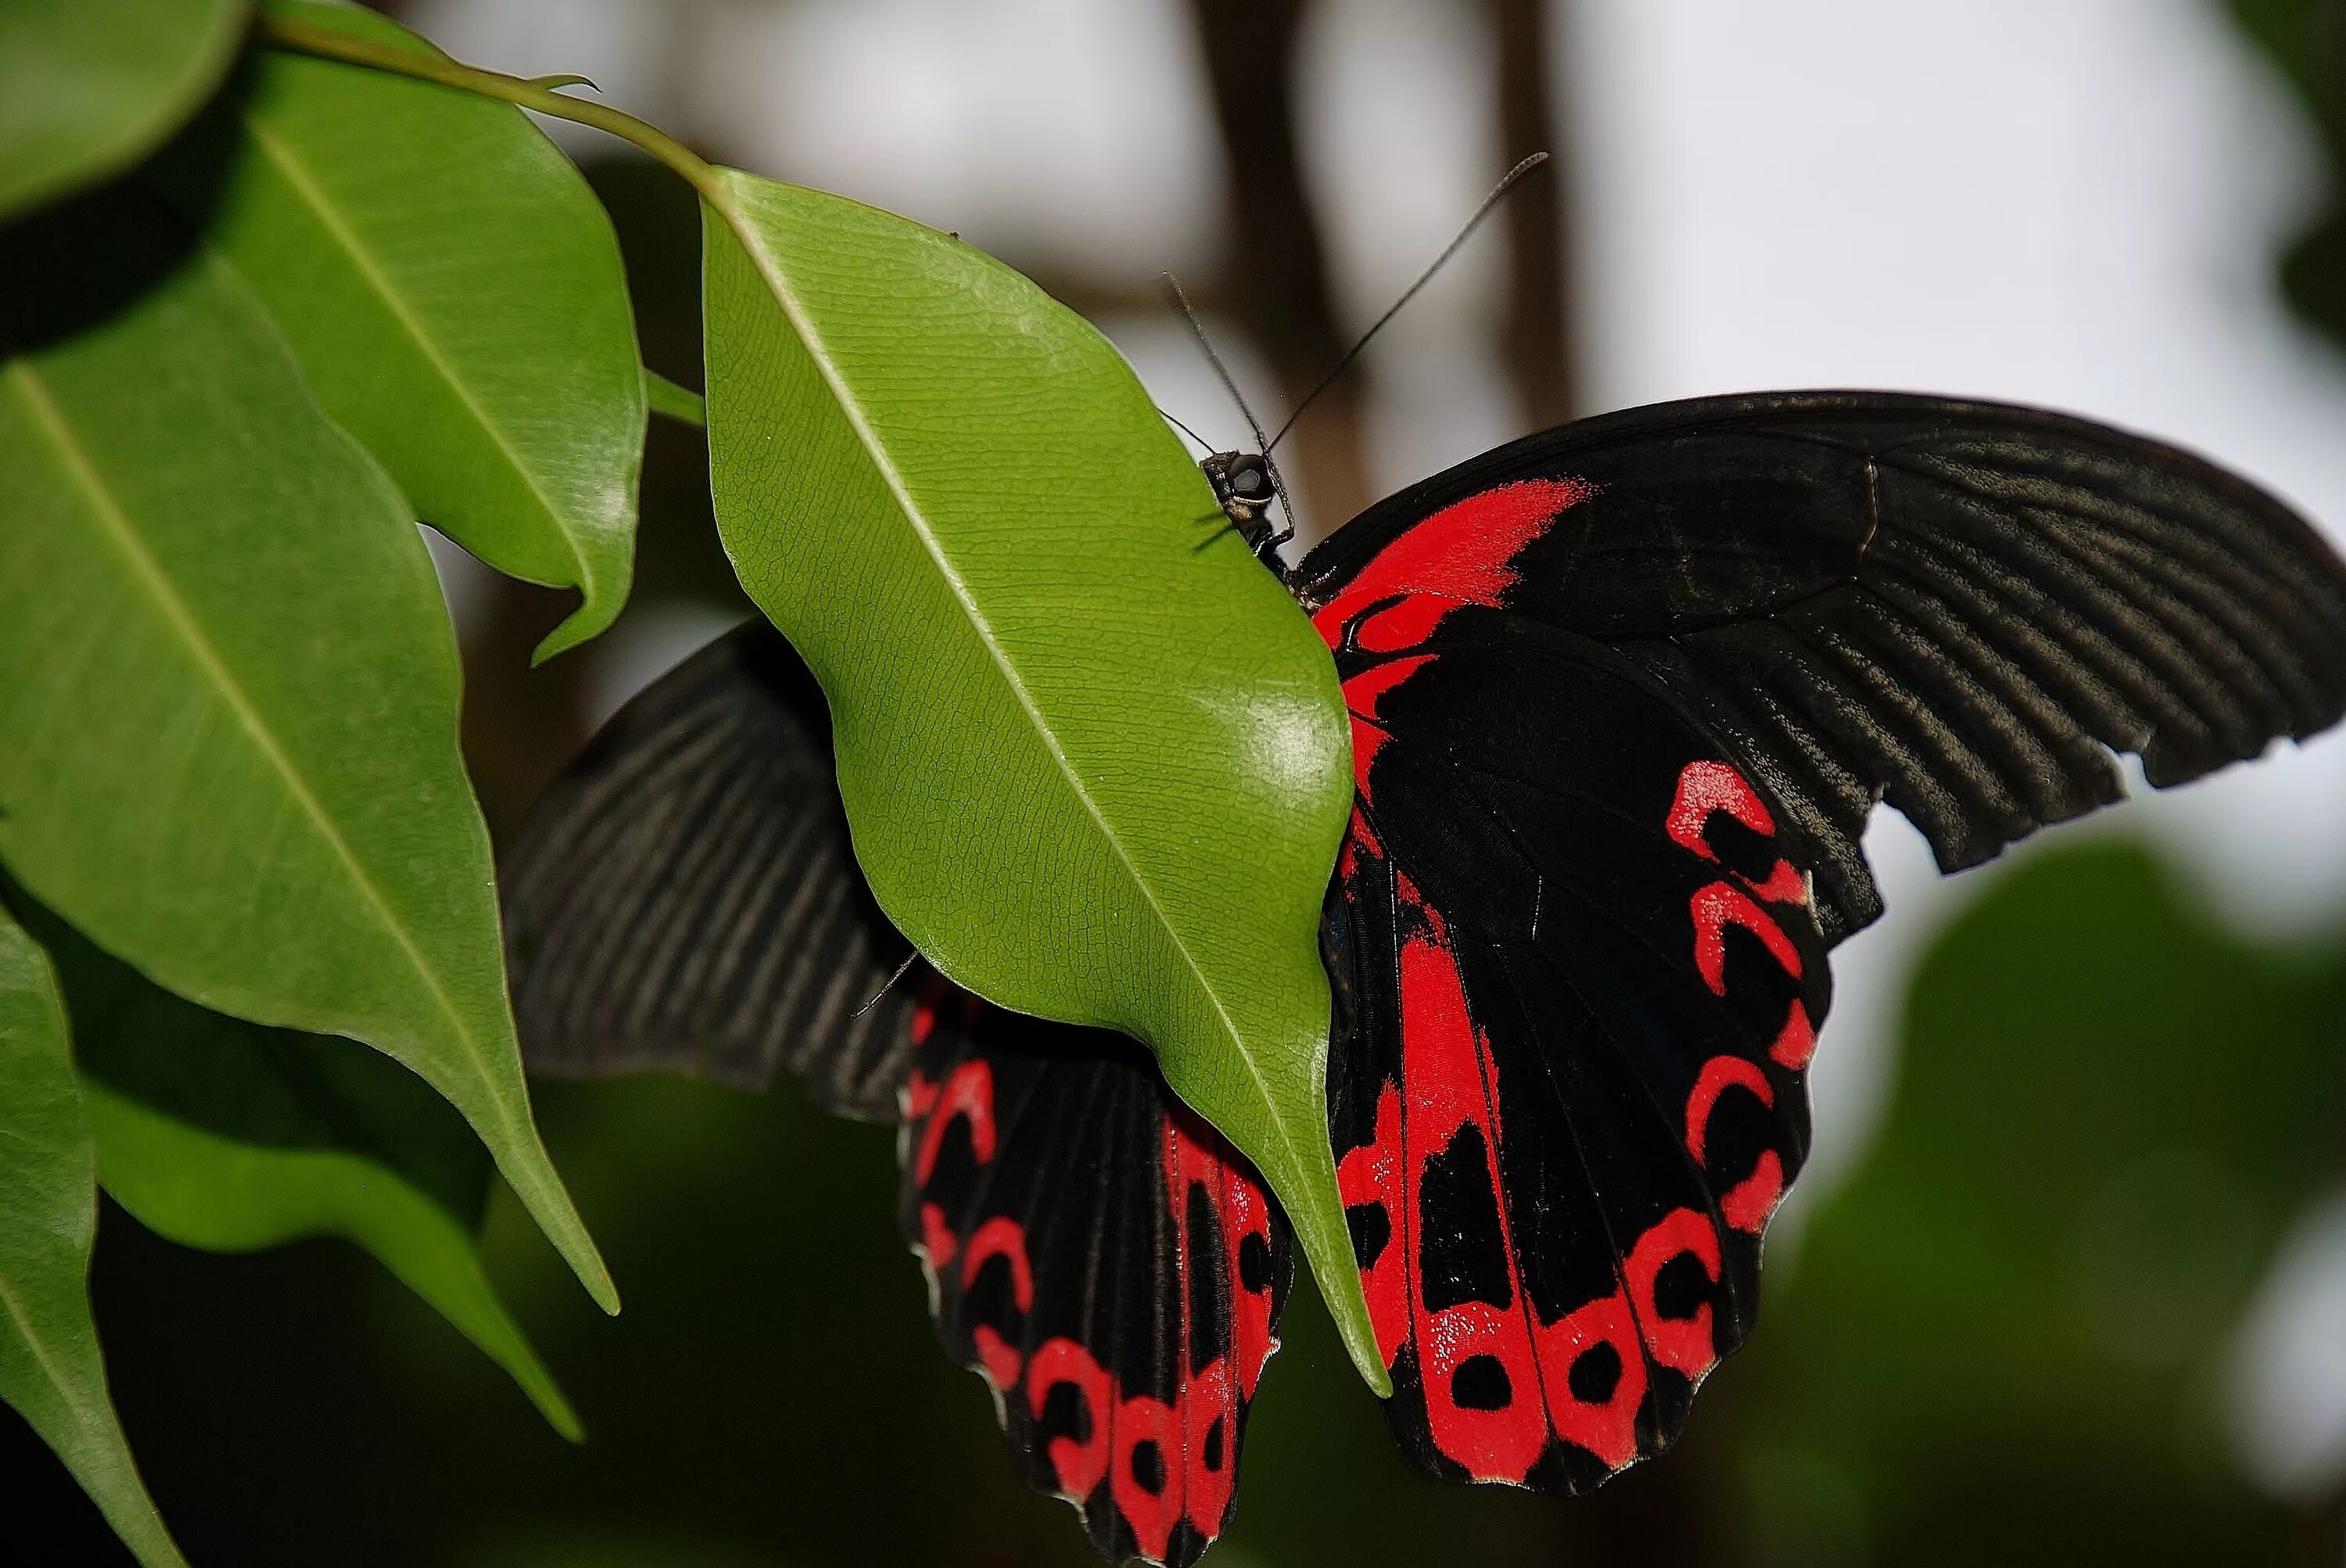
pixel 308 38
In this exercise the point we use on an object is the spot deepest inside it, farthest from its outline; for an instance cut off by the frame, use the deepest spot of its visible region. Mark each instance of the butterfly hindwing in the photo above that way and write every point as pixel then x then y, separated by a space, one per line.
pixel 1105 1259
pixel 1623 696
pixel 686 898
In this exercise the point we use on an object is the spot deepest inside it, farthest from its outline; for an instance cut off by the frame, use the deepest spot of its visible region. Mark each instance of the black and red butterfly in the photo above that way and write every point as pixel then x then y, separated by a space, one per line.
pixel 1623 696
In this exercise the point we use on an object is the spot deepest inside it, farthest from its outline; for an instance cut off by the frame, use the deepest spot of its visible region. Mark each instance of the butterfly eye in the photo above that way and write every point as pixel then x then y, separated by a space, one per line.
pixel 1251 484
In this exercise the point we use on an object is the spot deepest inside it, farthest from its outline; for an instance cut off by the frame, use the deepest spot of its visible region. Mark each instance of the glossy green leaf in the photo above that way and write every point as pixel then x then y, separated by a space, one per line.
pixel 234 1136
pixel 90 86
pixel 228 685
pixel 2108 1110
pixel 454 292
pixel 49 1366
pixel 1094 756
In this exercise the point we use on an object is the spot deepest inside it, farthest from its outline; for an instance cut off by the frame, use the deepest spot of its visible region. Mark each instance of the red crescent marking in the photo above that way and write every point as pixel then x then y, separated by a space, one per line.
pixel 1754 1199
pixel 1718 905
pixel 1001 1237
pixel 920 1096
pixel 1080 1466
pixel 1681 1343
pixel 1705 786
pixel 1785 885
pixel 936 1237
pixel 1607 1429
pixel 924 1020
pixel 997 1355
pixel 1719 1075
pixel 1797 1041
pixel 968 1092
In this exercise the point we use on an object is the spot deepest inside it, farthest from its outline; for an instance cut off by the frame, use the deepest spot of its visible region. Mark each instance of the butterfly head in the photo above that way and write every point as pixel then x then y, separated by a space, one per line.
pixel 1243 485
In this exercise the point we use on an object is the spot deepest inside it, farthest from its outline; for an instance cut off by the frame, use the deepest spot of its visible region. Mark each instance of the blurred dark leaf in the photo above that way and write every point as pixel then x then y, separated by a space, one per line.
pixel 2002 1341
pixel 89 87
pixel 2307 39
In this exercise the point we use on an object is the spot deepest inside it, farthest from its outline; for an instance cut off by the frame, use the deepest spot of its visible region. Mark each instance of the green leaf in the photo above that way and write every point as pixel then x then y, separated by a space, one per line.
pixel 49 1366
pixel 454 292
pixel 1094 756
pixel 228 684
pixel 87 88
pixel 233 1136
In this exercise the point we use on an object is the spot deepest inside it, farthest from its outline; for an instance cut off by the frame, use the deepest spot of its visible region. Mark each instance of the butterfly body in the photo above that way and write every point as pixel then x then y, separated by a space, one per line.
pixel 1623 696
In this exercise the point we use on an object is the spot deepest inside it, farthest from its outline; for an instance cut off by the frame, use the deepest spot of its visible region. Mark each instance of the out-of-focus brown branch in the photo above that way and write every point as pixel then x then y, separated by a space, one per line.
pixel 1537 334
pixel 1278 273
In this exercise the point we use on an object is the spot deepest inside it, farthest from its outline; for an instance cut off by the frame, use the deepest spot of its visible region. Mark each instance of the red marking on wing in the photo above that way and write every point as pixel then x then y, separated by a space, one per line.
pixel 997 1355
pixel 1785 885
pixel 1718 905
pixel 1246 1212
pixel 1080 1466
pixel 937 1239
pixel 924 1021
pixel 967 1093
pixel 1719 1075
pixel 1750 1201
pixel 1681 1343
pixel 1372 1174
pixel 1151 1514
pixel 1001 1237
pixel 1198 1469
pixel 1362 694
pixel 1606 1428
pixel 1797 1041
pixel 1705 786
pixel 1463 555
pixel 1447 1065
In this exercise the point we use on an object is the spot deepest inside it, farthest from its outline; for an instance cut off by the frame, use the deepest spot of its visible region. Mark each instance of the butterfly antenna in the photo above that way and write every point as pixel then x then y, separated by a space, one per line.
pixel 1175 421
pixel 1205 345
pixel 887 985
pixel 1229 383
pixel 1498 194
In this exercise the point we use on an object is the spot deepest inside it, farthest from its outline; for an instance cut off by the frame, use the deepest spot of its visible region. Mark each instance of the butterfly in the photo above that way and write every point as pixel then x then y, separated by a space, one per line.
pixel 1623 696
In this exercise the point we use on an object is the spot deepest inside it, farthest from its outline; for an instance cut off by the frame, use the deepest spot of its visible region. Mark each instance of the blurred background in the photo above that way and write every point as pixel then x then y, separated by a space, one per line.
pixel 2066 1281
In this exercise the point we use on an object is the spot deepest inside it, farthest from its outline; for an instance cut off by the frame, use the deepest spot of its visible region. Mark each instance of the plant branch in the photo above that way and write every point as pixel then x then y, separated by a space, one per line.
pixel 325 43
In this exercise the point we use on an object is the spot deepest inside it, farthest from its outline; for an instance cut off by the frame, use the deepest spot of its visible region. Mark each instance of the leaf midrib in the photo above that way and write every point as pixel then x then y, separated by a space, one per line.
pixel 835 378
pixel 298 176
pixel 149 576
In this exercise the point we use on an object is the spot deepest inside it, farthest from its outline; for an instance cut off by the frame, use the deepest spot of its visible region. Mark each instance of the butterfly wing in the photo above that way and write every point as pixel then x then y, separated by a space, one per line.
pixel 686 898
pixel 1103 1257
pixel 1623 696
